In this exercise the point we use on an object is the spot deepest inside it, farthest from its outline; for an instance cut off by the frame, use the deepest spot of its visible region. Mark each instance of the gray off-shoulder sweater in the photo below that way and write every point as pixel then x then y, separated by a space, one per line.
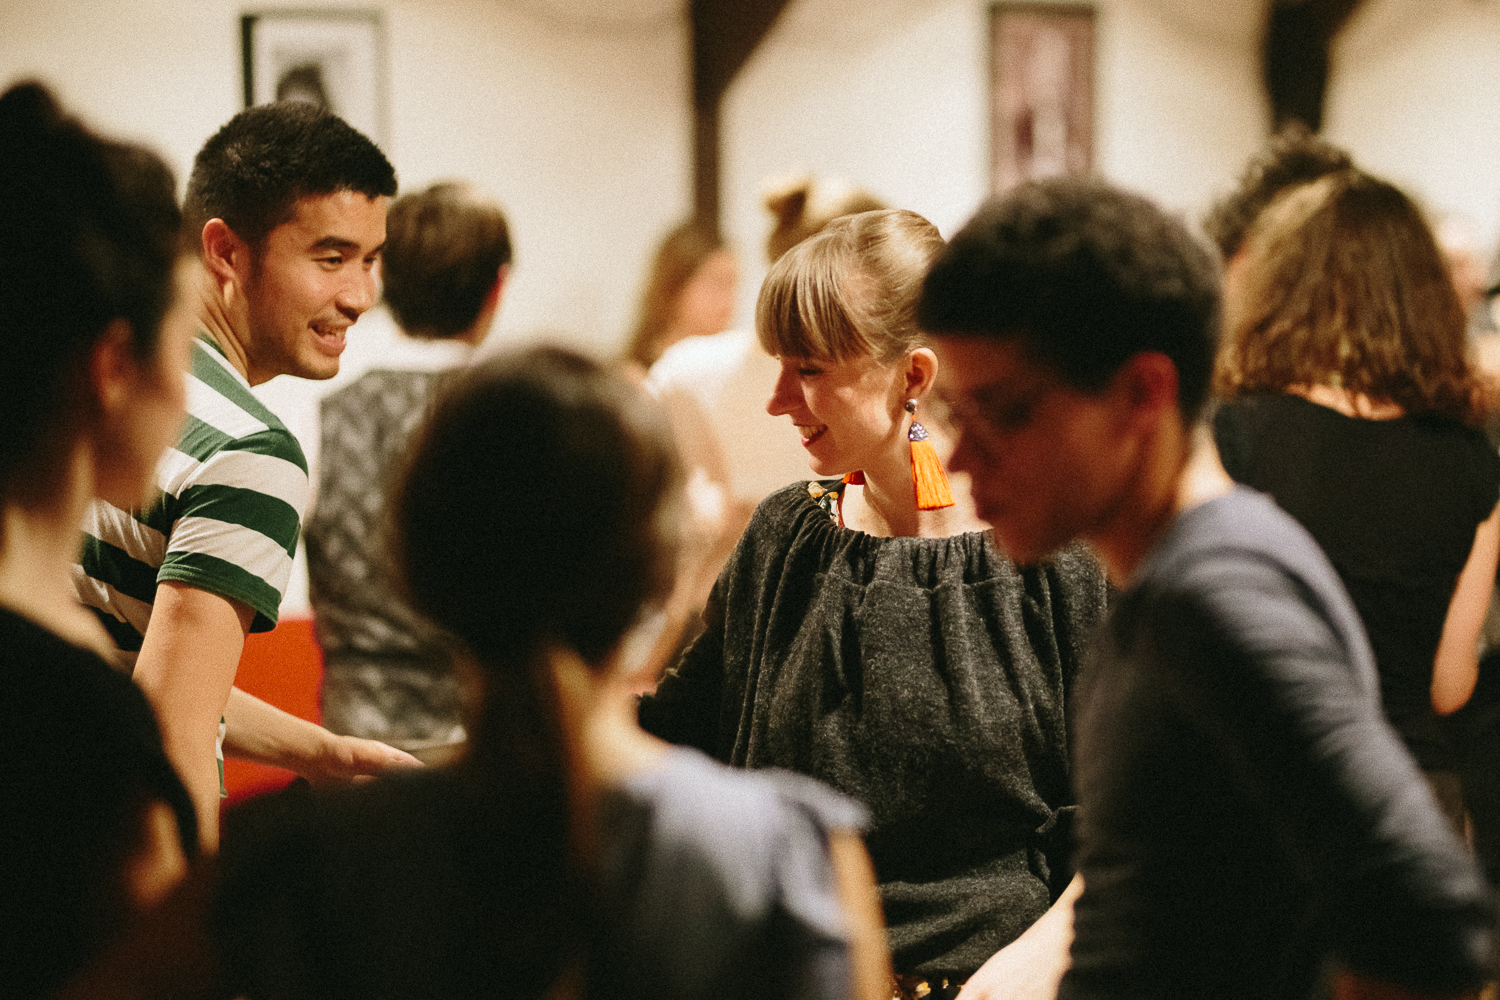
pixel 930 679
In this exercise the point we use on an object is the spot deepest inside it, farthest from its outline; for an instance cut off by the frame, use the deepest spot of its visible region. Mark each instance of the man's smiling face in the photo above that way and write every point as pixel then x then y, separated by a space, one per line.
pixel 310 279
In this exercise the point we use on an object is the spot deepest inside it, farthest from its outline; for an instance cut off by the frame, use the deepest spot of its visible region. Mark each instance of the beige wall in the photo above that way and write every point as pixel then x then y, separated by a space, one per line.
pixel 580 127
pixel 892 93
pixel 579 124
pixel 575 114
pixel 1415 95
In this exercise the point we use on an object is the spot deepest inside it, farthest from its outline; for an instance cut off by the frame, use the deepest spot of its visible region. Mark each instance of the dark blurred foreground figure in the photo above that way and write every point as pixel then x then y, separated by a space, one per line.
pixel 97 826
pixel 1351 401
pixel 386 674
pixel 568 853
pixel 1248 821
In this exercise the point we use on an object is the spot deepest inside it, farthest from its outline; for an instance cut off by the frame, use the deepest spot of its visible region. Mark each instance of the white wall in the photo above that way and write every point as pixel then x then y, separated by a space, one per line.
pixel 892 94
pixel 581 128
pixel 578 123
pixel 1415 96
pixel 575 113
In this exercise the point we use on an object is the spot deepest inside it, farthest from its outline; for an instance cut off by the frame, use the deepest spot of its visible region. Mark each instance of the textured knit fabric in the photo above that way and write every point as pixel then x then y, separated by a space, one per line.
pixel 387 674
pixel 710 884
pixel 224 519
pixel 1245 811
pixel 928 678
pixel 80 755
pixel 1394 505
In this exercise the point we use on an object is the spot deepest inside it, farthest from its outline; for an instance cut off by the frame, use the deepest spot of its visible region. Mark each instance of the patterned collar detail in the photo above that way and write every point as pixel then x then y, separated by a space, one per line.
pixel 827 493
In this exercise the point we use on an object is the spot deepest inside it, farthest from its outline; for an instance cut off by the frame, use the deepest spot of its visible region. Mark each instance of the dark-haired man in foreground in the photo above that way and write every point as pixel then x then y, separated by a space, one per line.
pixel 1249 824
pixel 288 204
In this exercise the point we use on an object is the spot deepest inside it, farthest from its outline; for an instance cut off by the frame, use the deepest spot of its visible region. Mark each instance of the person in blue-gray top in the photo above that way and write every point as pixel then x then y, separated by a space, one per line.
pixel 568 854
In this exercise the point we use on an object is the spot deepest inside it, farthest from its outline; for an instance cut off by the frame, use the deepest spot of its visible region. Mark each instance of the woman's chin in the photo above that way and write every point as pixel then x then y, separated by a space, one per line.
pixel 825 469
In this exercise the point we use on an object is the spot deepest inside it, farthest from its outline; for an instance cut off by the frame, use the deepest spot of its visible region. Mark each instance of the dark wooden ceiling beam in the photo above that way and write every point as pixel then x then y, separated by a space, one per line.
pixel 1295 57
pixel 724 33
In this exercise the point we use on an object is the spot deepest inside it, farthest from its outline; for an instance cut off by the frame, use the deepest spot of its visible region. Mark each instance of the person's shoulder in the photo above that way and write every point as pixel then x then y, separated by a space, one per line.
pixel 781 511
pixel 225 415
pixel 711 875
pixel 31 654
pixel 383 393
pixel 1239 565
pixel 696 358
pixel 725 833
pixel 1484 458
pixel 58 694
pixel 688 782
pixel 1078 564
pixel 1233 545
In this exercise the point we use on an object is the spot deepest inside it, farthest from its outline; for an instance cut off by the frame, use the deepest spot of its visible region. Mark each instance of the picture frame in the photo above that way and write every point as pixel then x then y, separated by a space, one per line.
pixel 333 57
pixel 1041 91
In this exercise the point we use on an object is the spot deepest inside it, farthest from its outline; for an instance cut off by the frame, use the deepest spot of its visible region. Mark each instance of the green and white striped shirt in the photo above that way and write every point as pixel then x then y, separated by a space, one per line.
pixel 225 516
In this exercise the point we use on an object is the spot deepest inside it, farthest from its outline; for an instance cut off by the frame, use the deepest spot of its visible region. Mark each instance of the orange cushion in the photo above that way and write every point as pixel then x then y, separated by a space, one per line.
pixel 284 667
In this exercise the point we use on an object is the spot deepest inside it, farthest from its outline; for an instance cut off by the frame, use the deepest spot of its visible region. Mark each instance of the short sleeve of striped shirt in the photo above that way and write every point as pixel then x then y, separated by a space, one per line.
pixel 235 486
pixel 226 517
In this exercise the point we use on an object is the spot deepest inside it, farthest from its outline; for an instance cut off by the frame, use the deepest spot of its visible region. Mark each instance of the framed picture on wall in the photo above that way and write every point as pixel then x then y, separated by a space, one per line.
pixel 335 58
pixel 1041 91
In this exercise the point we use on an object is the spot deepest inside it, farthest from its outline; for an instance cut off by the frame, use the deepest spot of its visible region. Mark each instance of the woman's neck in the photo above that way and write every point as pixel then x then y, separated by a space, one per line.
pixel 604 745
pixel 37 552
pixel 886 505
pixel 1350 404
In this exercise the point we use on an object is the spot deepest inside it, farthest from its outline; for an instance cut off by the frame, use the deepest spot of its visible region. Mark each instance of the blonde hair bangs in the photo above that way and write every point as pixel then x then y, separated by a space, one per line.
pixel 850 290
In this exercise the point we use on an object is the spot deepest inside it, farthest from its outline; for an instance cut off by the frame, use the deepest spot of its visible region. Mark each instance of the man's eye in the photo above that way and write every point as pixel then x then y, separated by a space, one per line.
pixel 1015 416
pixel 809 372
pixel 335 260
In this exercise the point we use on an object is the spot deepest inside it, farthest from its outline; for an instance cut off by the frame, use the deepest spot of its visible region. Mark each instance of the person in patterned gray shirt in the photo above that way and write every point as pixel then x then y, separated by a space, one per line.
pixel 288 203
pixel 387 674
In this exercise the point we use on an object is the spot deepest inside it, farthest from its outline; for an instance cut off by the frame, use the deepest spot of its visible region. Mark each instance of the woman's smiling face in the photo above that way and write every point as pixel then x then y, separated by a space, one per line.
pixel 850 413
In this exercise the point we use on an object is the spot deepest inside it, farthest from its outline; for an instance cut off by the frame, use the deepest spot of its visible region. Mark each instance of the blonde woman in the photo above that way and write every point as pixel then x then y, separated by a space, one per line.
pixel 869 635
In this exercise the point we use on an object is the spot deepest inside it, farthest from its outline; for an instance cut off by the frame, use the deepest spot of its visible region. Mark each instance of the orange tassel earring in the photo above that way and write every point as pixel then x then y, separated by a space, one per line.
pixel 926 470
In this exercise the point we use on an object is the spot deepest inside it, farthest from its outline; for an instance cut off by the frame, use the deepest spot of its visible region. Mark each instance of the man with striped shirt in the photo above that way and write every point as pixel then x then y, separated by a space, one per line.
pixel 289 206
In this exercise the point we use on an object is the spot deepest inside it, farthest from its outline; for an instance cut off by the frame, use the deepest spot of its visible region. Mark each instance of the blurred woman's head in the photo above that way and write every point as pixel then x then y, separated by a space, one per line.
pixel 538 508
pixel 803 206
pixel 689 293
pixel 839 310
pixel 92 396
pixel 1343 285
pixel 89 240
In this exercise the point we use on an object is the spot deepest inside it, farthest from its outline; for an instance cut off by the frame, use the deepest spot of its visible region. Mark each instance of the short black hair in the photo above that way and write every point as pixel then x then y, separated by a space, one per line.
pixel 1085 276
pixel 89 234
pixel 1293 156
pixel 255 169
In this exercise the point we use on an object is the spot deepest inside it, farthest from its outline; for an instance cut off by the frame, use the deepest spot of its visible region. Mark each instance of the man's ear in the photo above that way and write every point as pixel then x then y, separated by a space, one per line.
pixel 921 372
pixel 492 298
pixel 225 254
pixel 1146 385
pixel 113 368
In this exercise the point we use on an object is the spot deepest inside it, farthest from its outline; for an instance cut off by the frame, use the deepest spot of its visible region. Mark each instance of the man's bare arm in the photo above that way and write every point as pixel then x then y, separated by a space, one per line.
pixel 258 731
pixel 187 664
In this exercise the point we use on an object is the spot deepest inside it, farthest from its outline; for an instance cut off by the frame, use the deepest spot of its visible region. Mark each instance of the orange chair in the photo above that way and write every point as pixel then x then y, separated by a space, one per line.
pixel 284 667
